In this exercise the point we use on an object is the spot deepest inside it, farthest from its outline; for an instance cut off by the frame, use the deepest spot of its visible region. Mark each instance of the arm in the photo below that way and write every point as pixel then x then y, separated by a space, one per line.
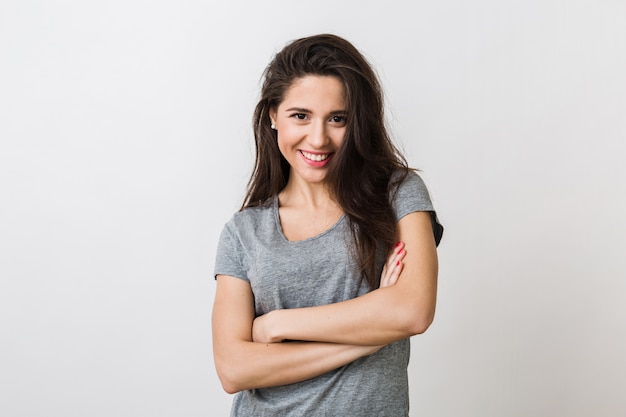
pixel 243 364
pixel 380 317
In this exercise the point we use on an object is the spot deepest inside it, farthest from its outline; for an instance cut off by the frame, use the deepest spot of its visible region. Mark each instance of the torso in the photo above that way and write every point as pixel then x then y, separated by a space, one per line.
pixel 312 264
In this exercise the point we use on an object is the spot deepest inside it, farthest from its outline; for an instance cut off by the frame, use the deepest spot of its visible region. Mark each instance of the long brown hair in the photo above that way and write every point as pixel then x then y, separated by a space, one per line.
pixel 360 175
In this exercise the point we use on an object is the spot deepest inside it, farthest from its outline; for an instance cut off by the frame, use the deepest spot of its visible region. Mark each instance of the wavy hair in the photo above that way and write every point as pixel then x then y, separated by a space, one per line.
pixel 364 170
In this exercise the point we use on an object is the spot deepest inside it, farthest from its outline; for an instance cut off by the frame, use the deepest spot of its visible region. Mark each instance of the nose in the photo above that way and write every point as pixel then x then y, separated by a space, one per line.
pixel 318 136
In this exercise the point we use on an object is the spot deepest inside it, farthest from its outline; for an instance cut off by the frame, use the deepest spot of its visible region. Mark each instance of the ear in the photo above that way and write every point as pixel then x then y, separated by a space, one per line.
pixel 272 114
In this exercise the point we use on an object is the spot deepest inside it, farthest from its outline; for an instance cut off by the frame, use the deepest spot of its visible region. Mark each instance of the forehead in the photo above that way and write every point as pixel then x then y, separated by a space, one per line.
pixel 315 91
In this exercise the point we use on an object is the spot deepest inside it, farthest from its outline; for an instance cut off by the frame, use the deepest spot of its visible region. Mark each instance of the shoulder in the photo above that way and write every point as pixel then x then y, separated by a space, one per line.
pixel 252 215
pixel 409 194
pixel 408 187
pixel 239 237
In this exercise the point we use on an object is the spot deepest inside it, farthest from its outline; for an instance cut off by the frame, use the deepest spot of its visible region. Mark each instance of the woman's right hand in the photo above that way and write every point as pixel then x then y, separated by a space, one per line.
pixel 393 266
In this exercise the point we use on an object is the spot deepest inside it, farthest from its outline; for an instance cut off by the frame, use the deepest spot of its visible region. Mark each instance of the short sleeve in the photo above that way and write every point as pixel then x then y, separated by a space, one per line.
pixel 411 196
pixel 229 259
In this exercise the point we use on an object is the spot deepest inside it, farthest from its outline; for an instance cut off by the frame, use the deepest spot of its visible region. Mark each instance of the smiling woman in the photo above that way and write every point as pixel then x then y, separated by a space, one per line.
pixel 335 232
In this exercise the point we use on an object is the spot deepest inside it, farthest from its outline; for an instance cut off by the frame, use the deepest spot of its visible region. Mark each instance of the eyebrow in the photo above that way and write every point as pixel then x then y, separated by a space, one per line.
pixel 303 110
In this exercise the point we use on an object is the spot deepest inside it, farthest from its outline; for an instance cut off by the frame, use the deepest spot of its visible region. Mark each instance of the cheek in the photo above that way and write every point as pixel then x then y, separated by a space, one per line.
pixel 288 135
pixel 339 136
pixel 285 146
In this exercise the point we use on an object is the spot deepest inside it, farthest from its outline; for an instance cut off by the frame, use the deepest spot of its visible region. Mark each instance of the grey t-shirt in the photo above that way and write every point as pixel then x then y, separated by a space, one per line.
pixel 317 271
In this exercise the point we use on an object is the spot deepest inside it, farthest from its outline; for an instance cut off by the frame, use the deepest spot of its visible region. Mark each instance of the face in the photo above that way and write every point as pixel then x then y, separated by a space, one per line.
pixel 310 123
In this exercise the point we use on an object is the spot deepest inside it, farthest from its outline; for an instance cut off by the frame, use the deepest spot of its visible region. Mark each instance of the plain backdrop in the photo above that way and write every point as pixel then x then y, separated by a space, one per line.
pixel 126 145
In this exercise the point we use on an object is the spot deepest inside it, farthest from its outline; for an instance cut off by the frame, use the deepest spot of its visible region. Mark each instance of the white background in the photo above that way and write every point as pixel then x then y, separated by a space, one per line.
pixel 126 145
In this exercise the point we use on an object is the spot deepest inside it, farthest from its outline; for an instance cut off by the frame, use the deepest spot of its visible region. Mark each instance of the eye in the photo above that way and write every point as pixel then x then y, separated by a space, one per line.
pixel 338 119
pixel 299 116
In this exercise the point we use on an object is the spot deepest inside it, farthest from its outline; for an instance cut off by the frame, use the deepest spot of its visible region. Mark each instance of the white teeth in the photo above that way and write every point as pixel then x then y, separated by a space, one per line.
pixel 315 157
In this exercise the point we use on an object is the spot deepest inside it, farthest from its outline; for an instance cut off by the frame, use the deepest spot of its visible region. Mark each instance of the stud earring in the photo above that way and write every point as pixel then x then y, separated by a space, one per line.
pixel 273 126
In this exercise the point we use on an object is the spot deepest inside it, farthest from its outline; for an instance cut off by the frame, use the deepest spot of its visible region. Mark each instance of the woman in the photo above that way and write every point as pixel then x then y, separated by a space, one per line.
pixel 330 265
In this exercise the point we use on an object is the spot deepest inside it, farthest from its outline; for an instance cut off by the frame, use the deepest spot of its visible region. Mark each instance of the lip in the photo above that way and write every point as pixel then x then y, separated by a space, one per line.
pixel 316 164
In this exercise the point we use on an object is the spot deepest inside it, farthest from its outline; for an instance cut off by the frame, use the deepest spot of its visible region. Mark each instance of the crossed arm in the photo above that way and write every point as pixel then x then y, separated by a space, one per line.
pixel 246 351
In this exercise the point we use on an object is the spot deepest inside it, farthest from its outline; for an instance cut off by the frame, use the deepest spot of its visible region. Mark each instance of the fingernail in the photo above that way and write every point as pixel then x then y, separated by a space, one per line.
pixel 401 251
pixel 398 244
pixel 398 263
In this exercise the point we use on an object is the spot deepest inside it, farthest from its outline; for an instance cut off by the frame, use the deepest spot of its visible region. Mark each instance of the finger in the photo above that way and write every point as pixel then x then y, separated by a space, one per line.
pixel 397 255
pixel 391 275
pixel 395 273
pixel 393 267
pixel 393 256
pixel 383 277
pixel 391 260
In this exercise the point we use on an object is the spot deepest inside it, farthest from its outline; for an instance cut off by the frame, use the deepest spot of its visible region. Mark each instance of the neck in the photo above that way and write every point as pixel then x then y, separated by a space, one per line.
pixel 301 193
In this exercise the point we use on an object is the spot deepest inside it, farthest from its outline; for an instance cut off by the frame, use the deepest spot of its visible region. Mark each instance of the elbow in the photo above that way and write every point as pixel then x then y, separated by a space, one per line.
pixel 230 385
pixel 230 389
pixel 415 314
pixel 235 369
pixel 417 321
pixel 419 326
pixel 227 375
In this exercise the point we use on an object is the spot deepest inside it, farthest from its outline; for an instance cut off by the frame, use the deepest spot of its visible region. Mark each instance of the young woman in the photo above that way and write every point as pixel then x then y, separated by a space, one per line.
pixel 330 266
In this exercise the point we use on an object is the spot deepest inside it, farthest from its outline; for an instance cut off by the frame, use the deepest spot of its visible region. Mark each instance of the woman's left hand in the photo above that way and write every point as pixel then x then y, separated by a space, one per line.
pixel 393 266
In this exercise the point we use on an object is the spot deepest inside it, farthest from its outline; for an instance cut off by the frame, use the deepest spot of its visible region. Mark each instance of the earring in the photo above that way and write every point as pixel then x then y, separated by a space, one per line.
pixel 273 126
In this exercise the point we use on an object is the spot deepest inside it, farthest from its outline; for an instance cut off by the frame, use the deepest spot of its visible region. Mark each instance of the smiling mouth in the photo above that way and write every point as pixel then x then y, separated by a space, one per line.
pixel 314 156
